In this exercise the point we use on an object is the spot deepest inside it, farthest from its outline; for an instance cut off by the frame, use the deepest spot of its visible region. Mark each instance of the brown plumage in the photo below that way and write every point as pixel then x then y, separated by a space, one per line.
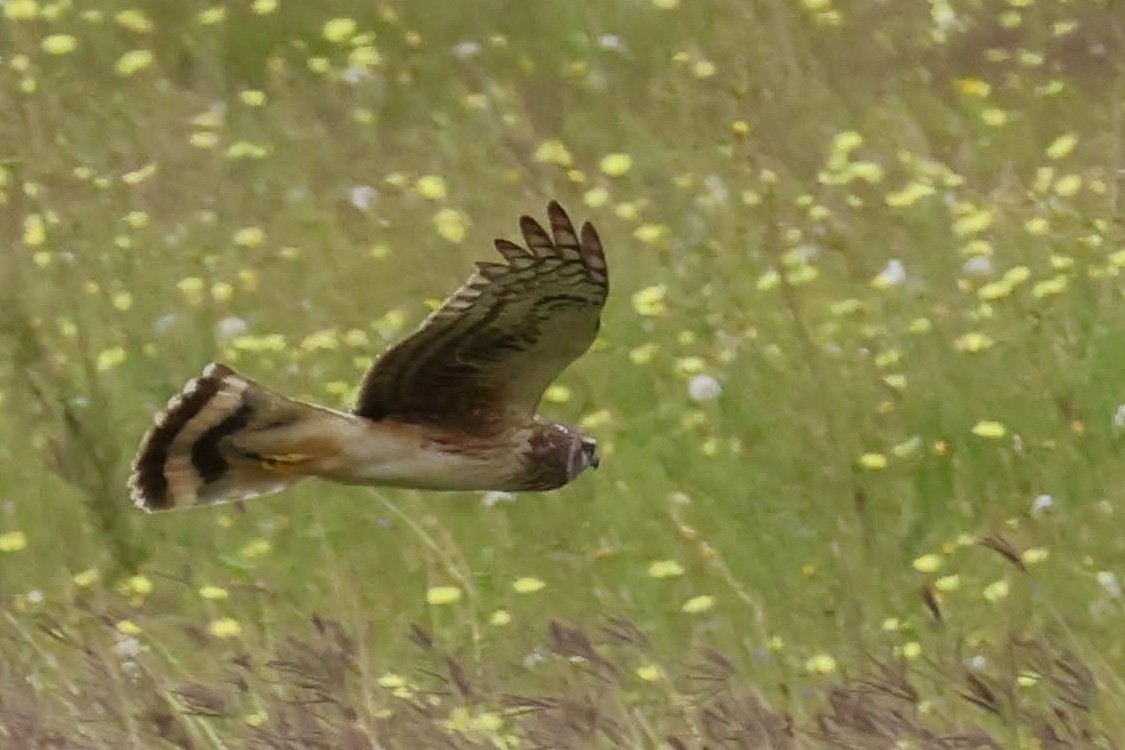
pixel 451 407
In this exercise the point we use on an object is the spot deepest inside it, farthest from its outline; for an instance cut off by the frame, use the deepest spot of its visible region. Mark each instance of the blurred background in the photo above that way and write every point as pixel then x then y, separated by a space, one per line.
pixel 858 387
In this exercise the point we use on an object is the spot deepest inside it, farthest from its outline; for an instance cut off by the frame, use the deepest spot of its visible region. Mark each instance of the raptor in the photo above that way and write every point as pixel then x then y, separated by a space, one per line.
pixel 450 407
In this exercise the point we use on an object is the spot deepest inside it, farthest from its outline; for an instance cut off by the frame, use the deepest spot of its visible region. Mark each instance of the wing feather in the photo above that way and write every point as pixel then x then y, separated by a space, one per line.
pixel 488 353
pixel 538 241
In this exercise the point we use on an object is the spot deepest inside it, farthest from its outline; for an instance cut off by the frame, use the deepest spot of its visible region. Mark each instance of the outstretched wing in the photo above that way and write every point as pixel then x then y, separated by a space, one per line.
pixel 489 352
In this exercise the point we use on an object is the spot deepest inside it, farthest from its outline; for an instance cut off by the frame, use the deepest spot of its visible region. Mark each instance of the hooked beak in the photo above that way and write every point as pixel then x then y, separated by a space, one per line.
pixel 594 461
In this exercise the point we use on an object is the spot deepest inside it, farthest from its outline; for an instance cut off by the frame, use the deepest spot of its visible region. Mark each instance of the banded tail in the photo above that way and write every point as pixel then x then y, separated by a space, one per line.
pixel 226 438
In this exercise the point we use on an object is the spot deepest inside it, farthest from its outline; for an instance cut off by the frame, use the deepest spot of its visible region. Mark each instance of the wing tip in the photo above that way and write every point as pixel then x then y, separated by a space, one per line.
pixel 563 242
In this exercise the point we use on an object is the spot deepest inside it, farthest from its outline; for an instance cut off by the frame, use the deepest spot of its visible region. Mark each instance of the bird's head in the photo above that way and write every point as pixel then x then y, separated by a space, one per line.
pixel 557 454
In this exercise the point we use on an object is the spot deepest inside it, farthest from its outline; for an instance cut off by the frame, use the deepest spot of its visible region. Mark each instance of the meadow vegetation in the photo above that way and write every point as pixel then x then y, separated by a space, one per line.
pixel 859 387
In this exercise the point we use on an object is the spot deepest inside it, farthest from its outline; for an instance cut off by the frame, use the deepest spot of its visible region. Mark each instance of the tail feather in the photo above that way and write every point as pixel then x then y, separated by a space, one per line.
pixel 189 458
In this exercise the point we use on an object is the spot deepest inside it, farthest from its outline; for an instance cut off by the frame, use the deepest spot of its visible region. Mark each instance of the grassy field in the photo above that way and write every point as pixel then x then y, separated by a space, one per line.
pixel 859 387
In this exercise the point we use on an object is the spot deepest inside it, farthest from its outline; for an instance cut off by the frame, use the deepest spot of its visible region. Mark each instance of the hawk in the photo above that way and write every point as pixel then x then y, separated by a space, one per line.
pixel 450 407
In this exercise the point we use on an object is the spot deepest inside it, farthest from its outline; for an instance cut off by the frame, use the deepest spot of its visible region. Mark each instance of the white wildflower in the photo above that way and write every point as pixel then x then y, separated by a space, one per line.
pixel 127 647
pixel 494 497
pixel 893 274
pixel 362 196
pixel 1119 418
pixel 611 41
pixel 704 388
pixel 1107 579
pixel 1041 505
pixel 717 189
pixel 164 323
pixel 465 50
pixel 229 327
pixel 978 265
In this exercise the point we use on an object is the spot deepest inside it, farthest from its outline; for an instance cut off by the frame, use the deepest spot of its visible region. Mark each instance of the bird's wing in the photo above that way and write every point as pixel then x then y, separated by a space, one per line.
pixel 489 352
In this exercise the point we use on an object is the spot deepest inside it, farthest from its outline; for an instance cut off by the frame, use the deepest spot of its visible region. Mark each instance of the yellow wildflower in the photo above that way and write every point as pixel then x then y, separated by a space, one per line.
pixel 928 563
pixel 987 428
pixel 431 187
pixel 698 604
pixel 910 194
pixel 134 20
pixel 596 197
pixel 643 354
pixel 527 585
pixel 873 461
pixel 974 342
pixel 139 175
pixel 339 30
pixel 132 62
pixel 616 164
pixel 21 10
pixel 86 578
pixel 138 584
pixel 948 583
pixel 820 664
pixel 1068 185
pixel 451 224
pixel 996 590
pixel 107 359
pixel 213 15
pixel 1017 275
pixel 225 627
pixel 846 142
pixel 249 237
pixel 12 541
pixel 59 44
pixel 442 595
pixel 1062 146
pixel 665 569
pixel 994 117
pixel 34 230
pixel 256 547
pixel 213 593
pixel 650 300
pixel 596 419
pixel 703 69
pixel 192 289
pixel 553 151
pixel 974 222
pixel 1050 287
pixel 651 234
pixel 973 87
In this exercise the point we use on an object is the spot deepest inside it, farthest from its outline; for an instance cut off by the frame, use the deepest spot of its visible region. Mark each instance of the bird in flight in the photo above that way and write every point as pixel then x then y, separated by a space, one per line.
pixel 451 407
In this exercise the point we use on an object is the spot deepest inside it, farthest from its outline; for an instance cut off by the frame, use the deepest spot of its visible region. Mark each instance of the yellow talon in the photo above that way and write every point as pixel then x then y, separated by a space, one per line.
pixel 285 461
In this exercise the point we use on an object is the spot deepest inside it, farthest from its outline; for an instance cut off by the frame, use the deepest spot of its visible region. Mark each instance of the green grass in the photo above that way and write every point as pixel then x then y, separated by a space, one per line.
pixel 780 157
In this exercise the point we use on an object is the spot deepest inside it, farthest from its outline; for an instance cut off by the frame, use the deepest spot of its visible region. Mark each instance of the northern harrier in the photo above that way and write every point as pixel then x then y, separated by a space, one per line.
pixel 451 407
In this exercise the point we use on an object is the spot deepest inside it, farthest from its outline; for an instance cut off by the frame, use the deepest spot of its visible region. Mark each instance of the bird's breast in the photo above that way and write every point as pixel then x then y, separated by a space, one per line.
pixel 417 456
